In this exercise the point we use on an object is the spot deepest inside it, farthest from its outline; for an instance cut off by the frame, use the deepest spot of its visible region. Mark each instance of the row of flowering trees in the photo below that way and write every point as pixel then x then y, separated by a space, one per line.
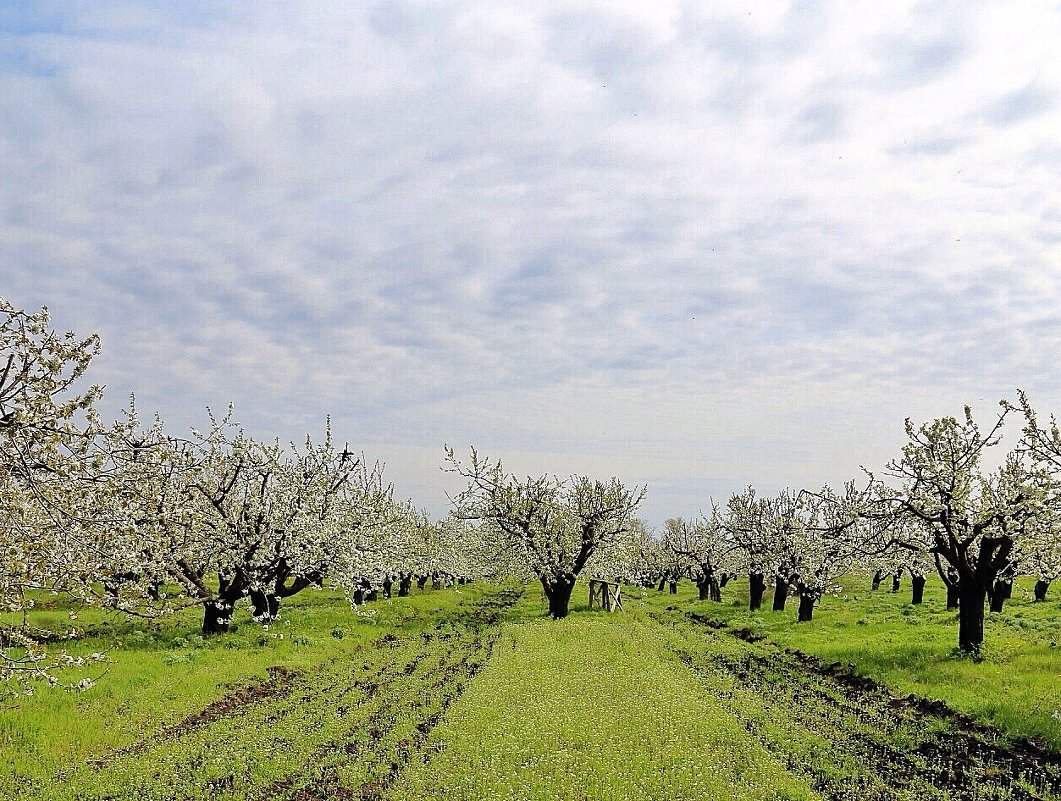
pixel 933 509
pixel 128 516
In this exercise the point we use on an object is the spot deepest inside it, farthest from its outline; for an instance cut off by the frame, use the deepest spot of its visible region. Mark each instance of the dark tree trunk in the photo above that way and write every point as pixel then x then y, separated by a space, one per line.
pixel 917 586
pixel 264 606
pixel 724 579
pixel 703 589
pixel 953 597
pixel 780 593
pixel 364 592
pixel 662 584
pixel 436 582
pixel 971 616
pixel 1041 587
pixel 217 612
pixel 673 587
pixel 1002 589
pixel 405 584
pixel 154 592
pixel 806 607
pixel 559 594
pixel 877 578
pixel 217 617
pixel 756 588
pixel 715 591
pixel 421 582
pixel 387 586
pixel 895 581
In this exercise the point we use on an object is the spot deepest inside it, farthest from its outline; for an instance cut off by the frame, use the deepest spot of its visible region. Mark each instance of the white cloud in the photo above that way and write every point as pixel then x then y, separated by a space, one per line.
pixel 671 241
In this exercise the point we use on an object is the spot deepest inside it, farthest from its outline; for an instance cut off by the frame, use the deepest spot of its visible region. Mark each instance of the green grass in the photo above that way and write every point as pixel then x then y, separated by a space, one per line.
pixel 158 674
pixel 594 707
pixel 434 696
pixel 912 649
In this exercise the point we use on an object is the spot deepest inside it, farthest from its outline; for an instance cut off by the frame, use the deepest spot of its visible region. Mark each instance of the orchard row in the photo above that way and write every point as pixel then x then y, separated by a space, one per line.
pixel 131 516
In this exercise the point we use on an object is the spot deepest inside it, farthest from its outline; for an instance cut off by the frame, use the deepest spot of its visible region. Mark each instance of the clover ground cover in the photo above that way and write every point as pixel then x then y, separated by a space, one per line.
pixel 458 693
pixel 593 706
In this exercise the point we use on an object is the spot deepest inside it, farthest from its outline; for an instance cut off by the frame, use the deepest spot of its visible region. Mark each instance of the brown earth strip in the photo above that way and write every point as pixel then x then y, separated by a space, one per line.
pixel 368 743
pixel 964 759
pixel 280 684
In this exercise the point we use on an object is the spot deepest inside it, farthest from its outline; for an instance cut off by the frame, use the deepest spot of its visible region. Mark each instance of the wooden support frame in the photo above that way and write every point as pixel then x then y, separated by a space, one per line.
pixel 605 594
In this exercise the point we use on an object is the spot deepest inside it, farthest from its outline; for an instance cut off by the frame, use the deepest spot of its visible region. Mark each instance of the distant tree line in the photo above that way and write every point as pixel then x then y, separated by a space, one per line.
pixel 932 509
pixel 128 515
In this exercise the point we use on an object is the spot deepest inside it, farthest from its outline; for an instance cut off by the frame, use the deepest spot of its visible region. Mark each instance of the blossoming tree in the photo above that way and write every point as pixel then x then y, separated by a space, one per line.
pixel 557 527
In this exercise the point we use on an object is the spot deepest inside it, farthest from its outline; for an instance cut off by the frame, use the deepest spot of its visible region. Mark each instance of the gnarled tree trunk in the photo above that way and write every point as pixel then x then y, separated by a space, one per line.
pixel 558 592
pixel 780 593
pixel 953 597
pixel 756 588
pixel 216 618
pixel 953 584
pixel 917 587
pixel 806 606
pixel 218 611
pixel 971 616
pixel 265 606
pixel 1000 592
pixel 1041 586
pixel 703 588
pixel 715 590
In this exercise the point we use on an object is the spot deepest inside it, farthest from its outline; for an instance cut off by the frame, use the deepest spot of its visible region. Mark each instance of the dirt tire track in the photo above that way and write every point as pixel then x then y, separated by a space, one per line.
pixel 957 756
pixel 280 684
pixel 471 636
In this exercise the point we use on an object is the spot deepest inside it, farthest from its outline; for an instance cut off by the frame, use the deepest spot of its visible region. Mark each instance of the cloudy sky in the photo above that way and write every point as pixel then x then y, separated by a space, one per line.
pixel 698 245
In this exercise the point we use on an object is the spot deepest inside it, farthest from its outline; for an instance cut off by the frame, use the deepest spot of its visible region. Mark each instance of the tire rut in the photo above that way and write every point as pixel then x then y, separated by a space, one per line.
pixel 896 745
pixel 408 705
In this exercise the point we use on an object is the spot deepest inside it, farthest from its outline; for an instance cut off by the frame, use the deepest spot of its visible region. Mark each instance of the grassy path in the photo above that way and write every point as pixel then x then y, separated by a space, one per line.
pixel 594 707
pixel 1015 687
pixel 460 694
pixel 657 703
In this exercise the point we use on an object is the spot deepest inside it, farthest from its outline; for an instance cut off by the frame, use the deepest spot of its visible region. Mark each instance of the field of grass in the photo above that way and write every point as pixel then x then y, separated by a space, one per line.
pixel 594 706
pixel 158 673
pixel 469 693
pixel 1016 686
